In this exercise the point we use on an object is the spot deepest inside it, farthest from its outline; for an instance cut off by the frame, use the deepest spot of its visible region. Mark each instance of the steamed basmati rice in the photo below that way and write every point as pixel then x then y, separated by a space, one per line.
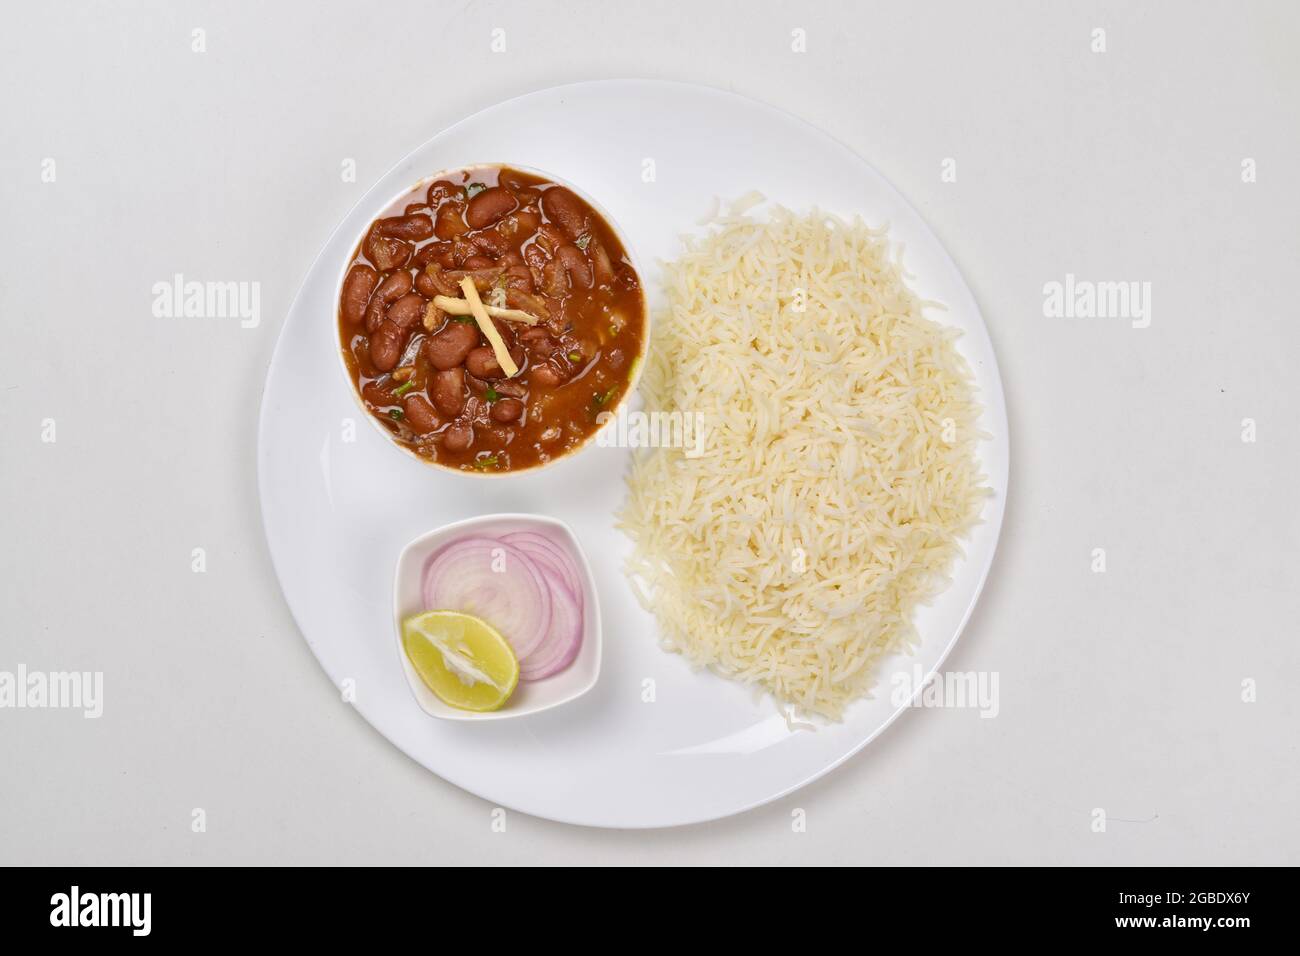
pixel 838 466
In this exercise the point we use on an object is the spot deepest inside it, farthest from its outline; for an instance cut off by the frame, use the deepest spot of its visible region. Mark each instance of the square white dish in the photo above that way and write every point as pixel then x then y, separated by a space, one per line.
pixel 530 697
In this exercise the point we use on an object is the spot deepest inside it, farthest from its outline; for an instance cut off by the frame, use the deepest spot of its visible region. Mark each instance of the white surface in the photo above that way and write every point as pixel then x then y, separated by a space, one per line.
pixel 703 748
pixel 1119 691
pixel 530 697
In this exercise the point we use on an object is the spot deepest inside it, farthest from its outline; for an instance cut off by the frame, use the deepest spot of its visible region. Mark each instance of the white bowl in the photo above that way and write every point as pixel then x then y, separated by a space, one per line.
pixel 530 697
pixel 394 207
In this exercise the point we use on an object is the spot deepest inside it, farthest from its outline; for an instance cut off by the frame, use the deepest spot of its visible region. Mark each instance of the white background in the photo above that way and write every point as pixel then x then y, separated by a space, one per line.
pixel 1120 691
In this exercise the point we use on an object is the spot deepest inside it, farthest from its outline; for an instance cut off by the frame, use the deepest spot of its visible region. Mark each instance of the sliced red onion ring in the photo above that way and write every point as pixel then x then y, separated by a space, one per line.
pixel 495 581
pixel 533 543
pixel 562 642
pixel 524 584
pixel 551 567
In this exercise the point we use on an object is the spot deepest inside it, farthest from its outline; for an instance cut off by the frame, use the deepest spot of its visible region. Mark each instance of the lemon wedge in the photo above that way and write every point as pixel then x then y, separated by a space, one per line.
pixel 461 658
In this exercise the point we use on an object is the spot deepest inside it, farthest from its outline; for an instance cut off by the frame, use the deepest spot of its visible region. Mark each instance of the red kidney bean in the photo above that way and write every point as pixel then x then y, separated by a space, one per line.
pixel 449 347
pixel 490 243
pixel 540 345
pixel 507 409
pixel 555 281
pixel 375 313
pixel 519 277
pixel 550 237
pixel 575 264
pixel 603 268
pixel 479 262
pixel 420 414
pixel 544 376
pixel 458 437
pixel 401 287
pixel 429 252
pixel 447 389
pixel 484 279
pixel 377 396
pixel 443 281
pixel 563 207
pixel 489 206
pixel 394 287
pixel 425 285
pixel 482 362
pixel 414 228
pixel 413 208
pixel 525 222
pixel 535 256
pixel 450 223
pixel 386 345
pixel 407 311
pixel 462 249
pixel 357 287
pixel 387 252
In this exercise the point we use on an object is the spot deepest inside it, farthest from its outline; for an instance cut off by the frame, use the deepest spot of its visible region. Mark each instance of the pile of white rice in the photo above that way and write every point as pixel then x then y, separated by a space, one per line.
pixel 839 462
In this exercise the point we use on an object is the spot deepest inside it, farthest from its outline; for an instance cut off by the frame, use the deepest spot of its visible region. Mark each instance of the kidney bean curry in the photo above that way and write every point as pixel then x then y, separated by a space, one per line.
pixel 489 325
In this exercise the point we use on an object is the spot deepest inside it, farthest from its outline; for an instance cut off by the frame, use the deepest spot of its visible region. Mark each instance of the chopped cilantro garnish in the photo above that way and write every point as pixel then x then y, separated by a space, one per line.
pixel 485 463
pixel 583 242
pixel 492 394
pixel 575 357
pixel 403 389
pixel 473 189
pixel 395 414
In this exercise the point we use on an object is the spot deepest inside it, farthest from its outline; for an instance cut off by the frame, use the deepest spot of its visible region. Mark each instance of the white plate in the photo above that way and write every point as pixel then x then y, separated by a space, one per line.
pixel 339 502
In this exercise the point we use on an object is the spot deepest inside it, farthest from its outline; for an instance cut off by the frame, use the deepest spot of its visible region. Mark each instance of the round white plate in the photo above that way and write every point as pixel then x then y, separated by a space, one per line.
pixel 654 743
